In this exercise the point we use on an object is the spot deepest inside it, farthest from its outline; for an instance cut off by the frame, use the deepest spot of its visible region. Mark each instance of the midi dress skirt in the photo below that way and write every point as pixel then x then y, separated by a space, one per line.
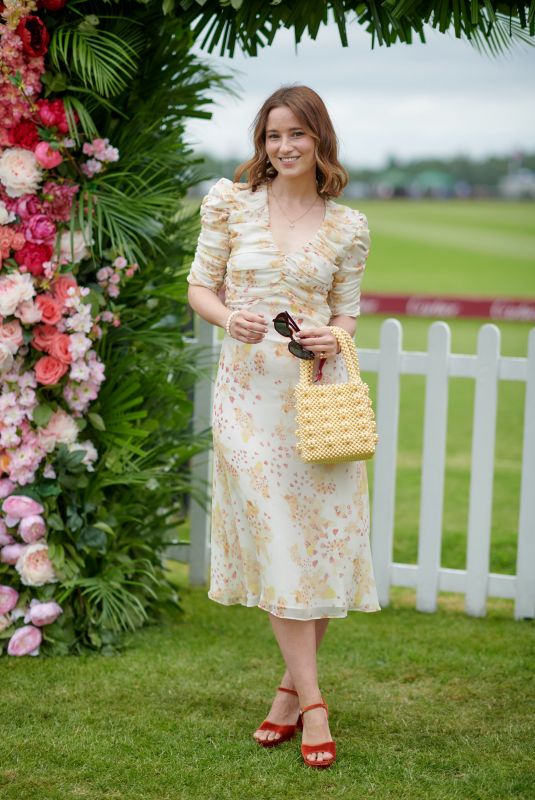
pixel 288 537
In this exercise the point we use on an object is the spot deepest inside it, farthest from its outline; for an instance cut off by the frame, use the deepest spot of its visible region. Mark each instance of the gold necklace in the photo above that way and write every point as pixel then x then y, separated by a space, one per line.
pixel 292 222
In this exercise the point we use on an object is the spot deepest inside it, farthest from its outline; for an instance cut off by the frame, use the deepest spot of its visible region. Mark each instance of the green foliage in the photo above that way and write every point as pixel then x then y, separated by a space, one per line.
pixel 489 25
pixel 127 72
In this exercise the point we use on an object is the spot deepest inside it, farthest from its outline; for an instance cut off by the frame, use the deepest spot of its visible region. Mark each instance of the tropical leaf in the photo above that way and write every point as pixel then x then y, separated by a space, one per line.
pixel 253 24
pixel 103 60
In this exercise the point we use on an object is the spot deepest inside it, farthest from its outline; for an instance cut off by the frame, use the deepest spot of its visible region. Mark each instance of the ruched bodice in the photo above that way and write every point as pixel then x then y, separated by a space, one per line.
pixel 236 247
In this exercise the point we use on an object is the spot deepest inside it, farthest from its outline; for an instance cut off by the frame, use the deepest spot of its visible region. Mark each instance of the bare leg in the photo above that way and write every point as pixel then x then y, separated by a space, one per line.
pixel 285 707
pixel 298 644
pixel 321 628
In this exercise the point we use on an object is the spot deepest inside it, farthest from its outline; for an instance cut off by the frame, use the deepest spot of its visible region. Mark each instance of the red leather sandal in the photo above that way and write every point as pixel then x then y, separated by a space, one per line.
pixel 285 731
pixel 323 747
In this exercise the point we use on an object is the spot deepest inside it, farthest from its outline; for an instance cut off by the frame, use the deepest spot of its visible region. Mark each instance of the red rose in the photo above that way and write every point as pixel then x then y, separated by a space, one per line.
pixel 32 257
pixel 23 134
pixel 49 370
pixel 51 5
pixel 59 348
pixel 43 336
pixel 34 35
pixel 52 113
pixel 50 310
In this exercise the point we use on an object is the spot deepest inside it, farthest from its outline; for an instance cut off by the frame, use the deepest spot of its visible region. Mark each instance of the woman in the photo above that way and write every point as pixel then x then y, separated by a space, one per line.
pixel 289 537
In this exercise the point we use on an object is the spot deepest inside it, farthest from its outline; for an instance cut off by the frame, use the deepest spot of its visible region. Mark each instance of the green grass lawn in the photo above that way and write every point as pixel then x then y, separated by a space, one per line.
pixel 477 248
pixel 419 711
pixel 422 706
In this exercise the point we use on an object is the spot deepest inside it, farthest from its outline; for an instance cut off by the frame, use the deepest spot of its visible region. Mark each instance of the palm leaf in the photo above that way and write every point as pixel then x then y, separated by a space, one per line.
pixel 103 60
pixel 253 24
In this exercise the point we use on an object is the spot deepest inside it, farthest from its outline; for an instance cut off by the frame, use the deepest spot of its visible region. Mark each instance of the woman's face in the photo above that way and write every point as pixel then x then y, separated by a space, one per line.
pixel 288 147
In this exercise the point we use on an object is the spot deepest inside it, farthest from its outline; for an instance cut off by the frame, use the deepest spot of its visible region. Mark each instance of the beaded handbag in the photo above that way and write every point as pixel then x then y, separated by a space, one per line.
pixel 335 421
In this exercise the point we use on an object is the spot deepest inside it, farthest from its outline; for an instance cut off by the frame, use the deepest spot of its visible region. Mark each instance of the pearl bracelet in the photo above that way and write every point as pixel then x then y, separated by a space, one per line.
pixel 230 318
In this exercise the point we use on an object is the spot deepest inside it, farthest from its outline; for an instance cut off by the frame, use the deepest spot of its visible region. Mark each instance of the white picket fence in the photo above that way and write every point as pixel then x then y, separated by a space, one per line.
pixel 438 364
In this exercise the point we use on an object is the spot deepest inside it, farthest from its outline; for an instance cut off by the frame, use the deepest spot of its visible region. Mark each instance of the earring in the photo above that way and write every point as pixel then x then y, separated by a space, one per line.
pixel 270 170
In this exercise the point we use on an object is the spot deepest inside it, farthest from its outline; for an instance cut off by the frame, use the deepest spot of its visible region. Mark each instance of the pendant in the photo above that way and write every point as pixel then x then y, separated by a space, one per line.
pixel 292 224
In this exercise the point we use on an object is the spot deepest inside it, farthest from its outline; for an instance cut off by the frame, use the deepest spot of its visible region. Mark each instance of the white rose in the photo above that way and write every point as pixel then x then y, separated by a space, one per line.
pixel 5 215
pixel 79 249
pixel 29 312
pixel 34 566
pixel 6 358
pixel 19 171
pixel 15 288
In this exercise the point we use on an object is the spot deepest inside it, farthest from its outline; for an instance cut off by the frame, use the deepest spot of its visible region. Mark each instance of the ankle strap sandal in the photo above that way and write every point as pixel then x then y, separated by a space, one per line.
pixel 322 747
pixel 285 732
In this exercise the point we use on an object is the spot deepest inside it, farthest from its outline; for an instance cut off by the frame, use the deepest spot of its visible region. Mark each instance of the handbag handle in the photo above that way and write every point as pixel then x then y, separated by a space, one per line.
pixel 349 353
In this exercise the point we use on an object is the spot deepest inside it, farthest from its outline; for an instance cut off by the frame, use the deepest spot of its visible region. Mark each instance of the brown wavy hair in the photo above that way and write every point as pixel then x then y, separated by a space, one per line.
pixel 309 108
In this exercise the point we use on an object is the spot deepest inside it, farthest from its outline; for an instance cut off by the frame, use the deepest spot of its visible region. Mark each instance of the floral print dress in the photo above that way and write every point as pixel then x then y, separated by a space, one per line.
pixel 289 537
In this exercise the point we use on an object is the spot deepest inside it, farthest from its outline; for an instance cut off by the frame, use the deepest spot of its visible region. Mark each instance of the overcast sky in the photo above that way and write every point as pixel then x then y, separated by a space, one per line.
pixel 437 99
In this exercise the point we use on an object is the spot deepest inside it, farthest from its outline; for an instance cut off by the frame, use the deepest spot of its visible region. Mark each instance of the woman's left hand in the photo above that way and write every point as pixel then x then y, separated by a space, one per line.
pixel 318 340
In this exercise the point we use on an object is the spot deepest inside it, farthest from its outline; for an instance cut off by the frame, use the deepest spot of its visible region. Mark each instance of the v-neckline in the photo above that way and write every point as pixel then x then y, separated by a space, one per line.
pixel 301 247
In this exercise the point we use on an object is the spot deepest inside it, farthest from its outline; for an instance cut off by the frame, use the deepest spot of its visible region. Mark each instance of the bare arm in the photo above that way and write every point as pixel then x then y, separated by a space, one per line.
pixel 343 321
pixel 207 305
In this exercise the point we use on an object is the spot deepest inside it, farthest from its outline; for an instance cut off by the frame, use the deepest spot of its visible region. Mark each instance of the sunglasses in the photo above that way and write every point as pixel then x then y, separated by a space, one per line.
pixel 285 325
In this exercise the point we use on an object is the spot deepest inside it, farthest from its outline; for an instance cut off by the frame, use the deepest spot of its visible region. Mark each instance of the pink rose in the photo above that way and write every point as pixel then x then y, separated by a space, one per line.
pixel 10 553
pixel 19 505
pixel 11 335
pixel 32 528
pixel 43 613
pixel 25 641
pixel 59 199
pixel 34 566
pixel 50 310
pixel 46 156
pixel 43 336
pixel 59 348
pixel 8 599
pixel 7 487
pixel 39 229
pixel 49 370
pixel 61 286
pixel 61 429
pixel 27 206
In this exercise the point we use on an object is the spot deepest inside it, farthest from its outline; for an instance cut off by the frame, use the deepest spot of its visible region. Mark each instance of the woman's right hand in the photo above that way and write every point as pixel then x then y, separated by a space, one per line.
pixel 248 327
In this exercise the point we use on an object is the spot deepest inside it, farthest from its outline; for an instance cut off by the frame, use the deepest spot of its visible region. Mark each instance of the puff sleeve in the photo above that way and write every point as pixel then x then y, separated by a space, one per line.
pixel 213 247
pixel 344 294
